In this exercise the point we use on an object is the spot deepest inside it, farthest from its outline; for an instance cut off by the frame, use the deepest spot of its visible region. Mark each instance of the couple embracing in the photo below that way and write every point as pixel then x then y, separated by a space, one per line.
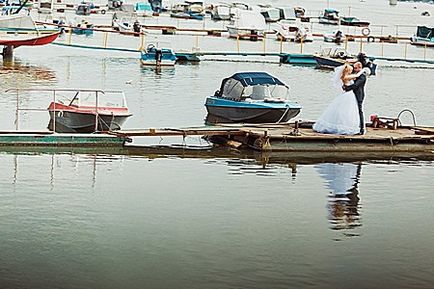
pixel 345 114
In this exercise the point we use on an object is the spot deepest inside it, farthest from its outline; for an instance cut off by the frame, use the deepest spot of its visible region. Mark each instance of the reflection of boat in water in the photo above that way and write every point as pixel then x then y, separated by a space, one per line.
pixel 251 97
pixel 14 70
pixel 342 179
pixel 85 109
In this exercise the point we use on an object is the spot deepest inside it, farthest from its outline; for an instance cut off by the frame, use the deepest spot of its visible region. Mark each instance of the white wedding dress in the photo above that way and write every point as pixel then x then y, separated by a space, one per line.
pixel 342 114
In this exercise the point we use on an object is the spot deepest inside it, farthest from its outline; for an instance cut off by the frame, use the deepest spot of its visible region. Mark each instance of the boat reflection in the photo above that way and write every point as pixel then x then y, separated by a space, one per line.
pixel 342 179
pixel 15 71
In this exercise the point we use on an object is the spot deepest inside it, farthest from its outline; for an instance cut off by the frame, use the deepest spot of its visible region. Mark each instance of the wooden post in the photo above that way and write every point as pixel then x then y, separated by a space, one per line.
pixel 54 111
pixel 197 42
pixel 424 52
pixel 69 36
pixel 263 43
pixel 349 10
pixel 382 48
pixel 281 45
pixel 301 46
pixel 17 112
pixel 405 50
pixel 396 27
pixel 346 43
pixel 105 39
pixel 361 44
pixel 96 111
pixel 238 43
pixel 142 41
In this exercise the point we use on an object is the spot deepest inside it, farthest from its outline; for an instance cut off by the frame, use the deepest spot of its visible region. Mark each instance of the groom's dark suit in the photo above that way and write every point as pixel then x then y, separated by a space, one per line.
pixel 359 90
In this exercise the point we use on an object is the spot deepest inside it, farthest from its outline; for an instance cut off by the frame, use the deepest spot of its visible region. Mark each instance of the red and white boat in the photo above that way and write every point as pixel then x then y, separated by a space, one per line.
pixel 20 30
pixel 87 111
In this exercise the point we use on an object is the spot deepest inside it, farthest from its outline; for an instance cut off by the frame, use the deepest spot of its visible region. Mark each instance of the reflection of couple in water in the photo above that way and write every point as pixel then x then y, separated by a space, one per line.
pixel 343 201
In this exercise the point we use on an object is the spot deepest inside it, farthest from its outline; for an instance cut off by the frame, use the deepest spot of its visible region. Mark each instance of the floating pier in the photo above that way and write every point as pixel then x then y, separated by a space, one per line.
pixel 50 139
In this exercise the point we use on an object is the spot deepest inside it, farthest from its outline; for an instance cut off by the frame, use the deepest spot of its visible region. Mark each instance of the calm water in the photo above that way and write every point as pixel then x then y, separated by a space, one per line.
pixel 102 221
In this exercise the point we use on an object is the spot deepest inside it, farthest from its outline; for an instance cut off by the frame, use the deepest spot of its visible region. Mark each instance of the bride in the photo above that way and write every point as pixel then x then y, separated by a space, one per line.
pixel 342 115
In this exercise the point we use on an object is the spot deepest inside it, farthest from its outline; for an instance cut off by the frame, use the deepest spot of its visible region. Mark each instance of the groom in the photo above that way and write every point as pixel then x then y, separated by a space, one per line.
pixel 358 87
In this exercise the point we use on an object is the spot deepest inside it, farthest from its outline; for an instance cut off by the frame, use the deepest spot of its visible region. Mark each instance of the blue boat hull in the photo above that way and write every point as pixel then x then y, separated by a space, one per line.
pixel 226 111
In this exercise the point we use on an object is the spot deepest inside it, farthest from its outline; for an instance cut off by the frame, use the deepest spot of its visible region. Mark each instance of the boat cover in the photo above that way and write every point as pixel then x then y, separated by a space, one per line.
pixel 425 32
pixel 233 87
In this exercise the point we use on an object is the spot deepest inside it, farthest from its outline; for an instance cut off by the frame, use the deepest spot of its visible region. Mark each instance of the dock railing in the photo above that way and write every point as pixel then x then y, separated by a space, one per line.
pixel 55 96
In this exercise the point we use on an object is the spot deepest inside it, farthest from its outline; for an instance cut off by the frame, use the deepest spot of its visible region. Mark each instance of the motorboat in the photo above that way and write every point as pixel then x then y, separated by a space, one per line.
pixel 292 32
pixel 143 9
pixel 329 58
pixel 188 10
pixel 353 21
pixel 81 27
pixel 87 111
pixel 251 97
pixel 158 55
pixel 287 13
pixel 123 21
pixel 330 17
pixel 247 24
pixel 270 14
pixel 337 36
pixel 221 11
pixel 20 30
pixel 424 37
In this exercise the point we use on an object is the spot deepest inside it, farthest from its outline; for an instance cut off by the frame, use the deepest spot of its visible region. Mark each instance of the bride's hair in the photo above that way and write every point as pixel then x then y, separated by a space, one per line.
pixel 347 71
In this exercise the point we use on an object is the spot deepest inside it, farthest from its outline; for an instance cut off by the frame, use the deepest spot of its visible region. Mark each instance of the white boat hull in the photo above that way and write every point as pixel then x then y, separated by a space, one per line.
pixel 245 33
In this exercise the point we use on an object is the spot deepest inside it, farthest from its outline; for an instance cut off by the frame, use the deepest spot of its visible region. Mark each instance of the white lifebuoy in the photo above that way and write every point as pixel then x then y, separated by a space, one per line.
pixel 366 31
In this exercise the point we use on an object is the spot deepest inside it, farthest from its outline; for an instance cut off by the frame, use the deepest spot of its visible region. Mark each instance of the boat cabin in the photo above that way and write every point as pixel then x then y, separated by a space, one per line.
pixel 259 86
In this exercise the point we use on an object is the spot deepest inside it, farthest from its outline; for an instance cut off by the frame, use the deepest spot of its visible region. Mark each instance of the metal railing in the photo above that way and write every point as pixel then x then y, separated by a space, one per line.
pixel 55 91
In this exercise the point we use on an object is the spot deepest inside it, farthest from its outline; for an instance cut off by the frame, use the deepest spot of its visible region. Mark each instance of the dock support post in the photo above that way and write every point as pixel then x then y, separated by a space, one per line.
pixel 238 44
pixel 17 111
pixel 405 51
pixel 281 45
pixel 96 111
pixel 346 43
pixel 382 48
pixel 69 36
pixel 8 52
pixel 424 52
pixel 361 45
pixel 142 41
pixel 263 43
pixel 301 46
pixel 105 39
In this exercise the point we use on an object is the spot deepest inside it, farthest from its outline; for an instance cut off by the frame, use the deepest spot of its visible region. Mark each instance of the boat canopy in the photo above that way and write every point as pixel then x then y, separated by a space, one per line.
pixel 248 19
pixel 250 84
pixel 425 32
pixel 331 11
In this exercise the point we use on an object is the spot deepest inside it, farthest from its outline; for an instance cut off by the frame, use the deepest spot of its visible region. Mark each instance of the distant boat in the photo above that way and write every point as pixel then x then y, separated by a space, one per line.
pixel 156 55
pixel 270 14
pixel 88 111
pixel 247 24
pixel 289 31
pixel 251 97
pixel 337 36
pixel 221 11
pixel 353 21
pixel 143 9
pixel 330 17
pixel 330 58
pixel 83 27
pixel 424 36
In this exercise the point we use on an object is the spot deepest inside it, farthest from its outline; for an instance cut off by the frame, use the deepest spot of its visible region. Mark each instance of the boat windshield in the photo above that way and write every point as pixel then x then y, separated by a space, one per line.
pixel 88 98
pixel 265 91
